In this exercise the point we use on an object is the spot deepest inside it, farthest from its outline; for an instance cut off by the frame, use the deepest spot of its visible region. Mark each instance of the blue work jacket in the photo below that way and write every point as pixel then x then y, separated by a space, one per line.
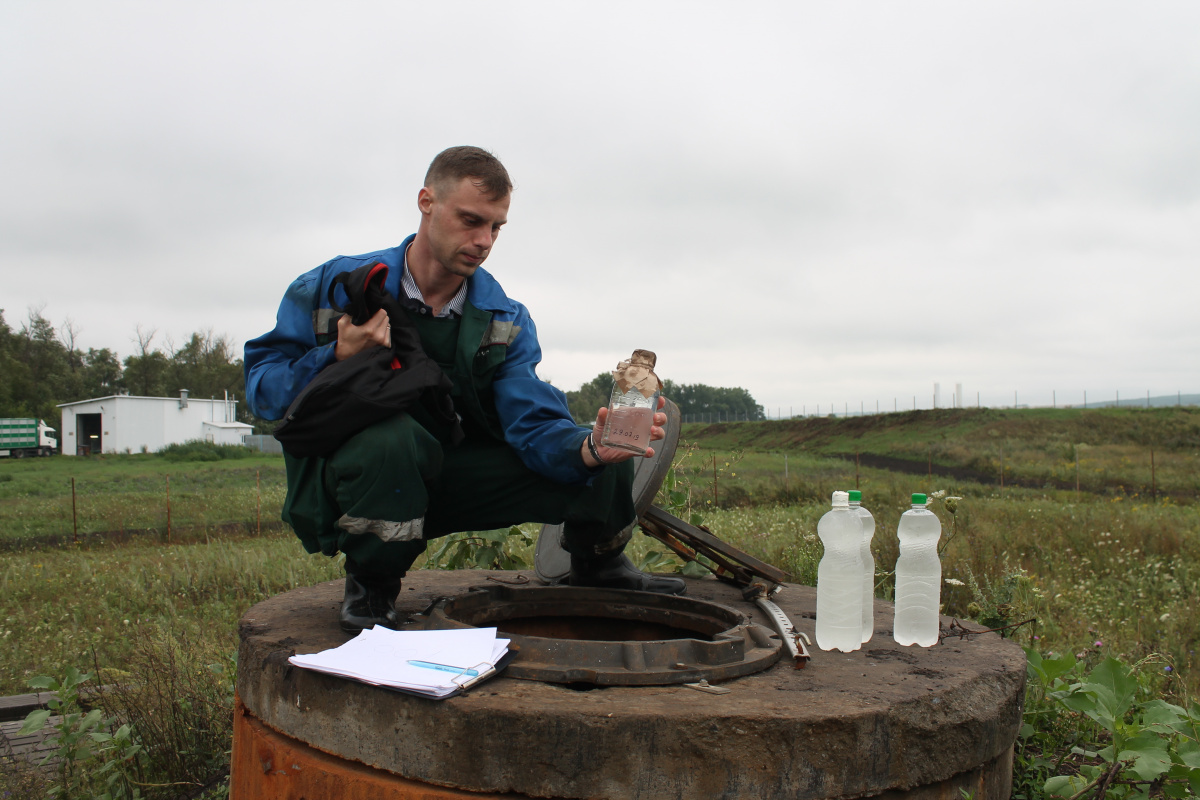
pixel 506 393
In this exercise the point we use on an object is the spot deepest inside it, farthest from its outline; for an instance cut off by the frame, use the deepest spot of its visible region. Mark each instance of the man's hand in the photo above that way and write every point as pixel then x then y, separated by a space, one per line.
pixel 612 455
pixel 353 339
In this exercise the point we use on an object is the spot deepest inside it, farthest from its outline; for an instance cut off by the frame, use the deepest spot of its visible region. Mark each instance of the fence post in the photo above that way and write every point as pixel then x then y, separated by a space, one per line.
pixel 74 513
pixel 715 498
pixel 258 510
pixel 1077 473
pixel 855 469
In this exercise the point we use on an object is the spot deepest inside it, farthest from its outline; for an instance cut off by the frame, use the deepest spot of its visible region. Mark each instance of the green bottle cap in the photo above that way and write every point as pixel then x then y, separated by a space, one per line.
pixel 919 499
pixel 855 496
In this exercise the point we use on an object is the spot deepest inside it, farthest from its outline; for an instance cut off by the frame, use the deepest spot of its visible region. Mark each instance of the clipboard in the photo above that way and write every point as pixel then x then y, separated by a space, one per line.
pixel 464 682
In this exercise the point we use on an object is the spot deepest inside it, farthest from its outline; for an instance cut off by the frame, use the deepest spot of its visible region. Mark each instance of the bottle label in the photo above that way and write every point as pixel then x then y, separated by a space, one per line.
pixel 628 428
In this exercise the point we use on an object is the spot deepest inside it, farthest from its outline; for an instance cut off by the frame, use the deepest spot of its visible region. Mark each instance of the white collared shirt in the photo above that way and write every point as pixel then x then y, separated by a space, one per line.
pixel 454 308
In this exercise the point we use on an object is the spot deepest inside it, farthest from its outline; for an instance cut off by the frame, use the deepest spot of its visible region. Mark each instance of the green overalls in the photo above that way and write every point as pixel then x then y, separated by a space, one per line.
pixel 399 482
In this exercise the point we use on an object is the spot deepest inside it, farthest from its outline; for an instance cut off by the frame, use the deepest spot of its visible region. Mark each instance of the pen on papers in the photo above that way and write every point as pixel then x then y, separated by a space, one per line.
pixel 445 668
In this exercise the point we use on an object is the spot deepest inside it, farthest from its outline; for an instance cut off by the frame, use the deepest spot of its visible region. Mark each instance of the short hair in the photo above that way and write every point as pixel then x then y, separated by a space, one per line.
pixel 484 169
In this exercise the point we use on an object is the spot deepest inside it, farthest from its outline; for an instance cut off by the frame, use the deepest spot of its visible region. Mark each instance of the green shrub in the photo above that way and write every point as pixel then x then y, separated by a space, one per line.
pixel 198 450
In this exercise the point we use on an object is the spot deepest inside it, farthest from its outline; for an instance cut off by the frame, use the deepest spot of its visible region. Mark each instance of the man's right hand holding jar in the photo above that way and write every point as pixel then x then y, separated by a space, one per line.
pixel 594 453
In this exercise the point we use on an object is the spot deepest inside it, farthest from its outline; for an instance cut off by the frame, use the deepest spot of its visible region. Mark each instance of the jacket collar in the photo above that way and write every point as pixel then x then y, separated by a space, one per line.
pixel 483 291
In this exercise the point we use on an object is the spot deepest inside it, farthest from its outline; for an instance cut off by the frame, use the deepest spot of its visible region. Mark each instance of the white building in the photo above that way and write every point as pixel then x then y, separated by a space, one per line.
pixel 126 424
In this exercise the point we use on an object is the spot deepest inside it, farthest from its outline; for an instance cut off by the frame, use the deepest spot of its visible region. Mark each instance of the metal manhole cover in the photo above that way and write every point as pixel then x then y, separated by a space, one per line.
pixel 612 637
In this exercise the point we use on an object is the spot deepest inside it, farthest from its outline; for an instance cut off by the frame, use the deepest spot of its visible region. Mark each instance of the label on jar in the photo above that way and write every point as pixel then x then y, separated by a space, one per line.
pixel 628 428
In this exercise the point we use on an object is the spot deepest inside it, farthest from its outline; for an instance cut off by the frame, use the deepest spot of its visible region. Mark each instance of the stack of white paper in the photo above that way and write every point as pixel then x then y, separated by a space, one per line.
pixel 431 663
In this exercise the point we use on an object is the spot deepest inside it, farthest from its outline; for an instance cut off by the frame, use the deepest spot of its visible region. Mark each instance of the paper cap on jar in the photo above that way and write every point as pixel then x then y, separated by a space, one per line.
pixel 638 373
pixel 643 358
pixel 841 499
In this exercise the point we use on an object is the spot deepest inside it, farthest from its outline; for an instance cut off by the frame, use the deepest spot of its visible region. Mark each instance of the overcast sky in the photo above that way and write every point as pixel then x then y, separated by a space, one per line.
pixel 822 203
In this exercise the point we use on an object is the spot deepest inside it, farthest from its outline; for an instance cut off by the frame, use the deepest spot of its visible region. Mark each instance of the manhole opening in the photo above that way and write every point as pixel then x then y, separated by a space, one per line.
pixel 608 637
pixel 596 629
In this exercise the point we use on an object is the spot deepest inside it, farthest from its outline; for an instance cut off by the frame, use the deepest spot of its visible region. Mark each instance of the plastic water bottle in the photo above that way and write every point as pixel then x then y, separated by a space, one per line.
pixel 918 576
pixel 839 578
pixel 868 573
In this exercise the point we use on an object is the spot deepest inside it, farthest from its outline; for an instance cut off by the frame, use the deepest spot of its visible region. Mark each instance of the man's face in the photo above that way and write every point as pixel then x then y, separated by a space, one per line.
pixel 462 224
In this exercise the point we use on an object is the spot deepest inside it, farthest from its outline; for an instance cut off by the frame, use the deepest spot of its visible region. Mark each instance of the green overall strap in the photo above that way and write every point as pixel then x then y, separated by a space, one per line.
pixel 479 359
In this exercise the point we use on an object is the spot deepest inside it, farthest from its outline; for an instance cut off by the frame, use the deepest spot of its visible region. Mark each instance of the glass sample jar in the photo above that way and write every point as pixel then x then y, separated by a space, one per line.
pixel 633 403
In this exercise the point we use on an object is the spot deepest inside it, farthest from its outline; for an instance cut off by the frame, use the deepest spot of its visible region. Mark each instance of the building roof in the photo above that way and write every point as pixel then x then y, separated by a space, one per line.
pixel 175 399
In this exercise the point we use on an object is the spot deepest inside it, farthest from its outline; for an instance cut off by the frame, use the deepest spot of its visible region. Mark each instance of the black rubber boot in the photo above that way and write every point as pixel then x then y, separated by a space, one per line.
pixel 616 571
pixel 369 601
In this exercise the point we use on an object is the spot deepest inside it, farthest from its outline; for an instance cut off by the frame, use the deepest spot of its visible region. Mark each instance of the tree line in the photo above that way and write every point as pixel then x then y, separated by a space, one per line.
pixel 42 366
pixel 692 398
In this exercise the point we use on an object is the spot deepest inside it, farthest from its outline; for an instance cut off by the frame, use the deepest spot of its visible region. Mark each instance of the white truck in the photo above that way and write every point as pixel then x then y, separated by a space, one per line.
pixel 26 437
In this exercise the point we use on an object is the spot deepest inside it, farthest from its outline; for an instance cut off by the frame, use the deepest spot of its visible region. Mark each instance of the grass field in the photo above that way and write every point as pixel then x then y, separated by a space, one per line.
pixel 1120 451
pixel 131 493
pixel 1113 570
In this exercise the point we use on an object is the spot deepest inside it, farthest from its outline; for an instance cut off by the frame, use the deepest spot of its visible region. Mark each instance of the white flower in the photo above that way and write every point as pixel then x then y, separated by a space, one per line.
pixel 955 582
pixel 1164 617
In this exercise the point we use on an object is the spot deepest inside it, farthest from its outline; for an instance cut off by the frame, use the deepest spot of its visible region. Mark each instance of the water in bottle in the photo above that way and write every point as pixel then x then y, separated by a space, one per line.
pixel 632 404
pixel 839 578
pixel 868 573
pixel 918 576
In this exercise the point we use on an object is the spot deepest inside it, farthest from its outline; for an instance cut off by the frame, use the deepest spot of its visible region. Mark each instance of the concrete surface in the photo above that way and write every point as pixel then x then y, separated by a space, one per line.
pixel 883 720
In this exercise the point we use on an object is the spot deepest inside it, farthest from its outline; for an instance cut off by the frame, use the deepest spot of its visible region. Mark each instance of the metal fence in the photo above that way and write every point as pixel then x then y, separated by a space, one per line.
pixel 263 444
pixel 956 400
